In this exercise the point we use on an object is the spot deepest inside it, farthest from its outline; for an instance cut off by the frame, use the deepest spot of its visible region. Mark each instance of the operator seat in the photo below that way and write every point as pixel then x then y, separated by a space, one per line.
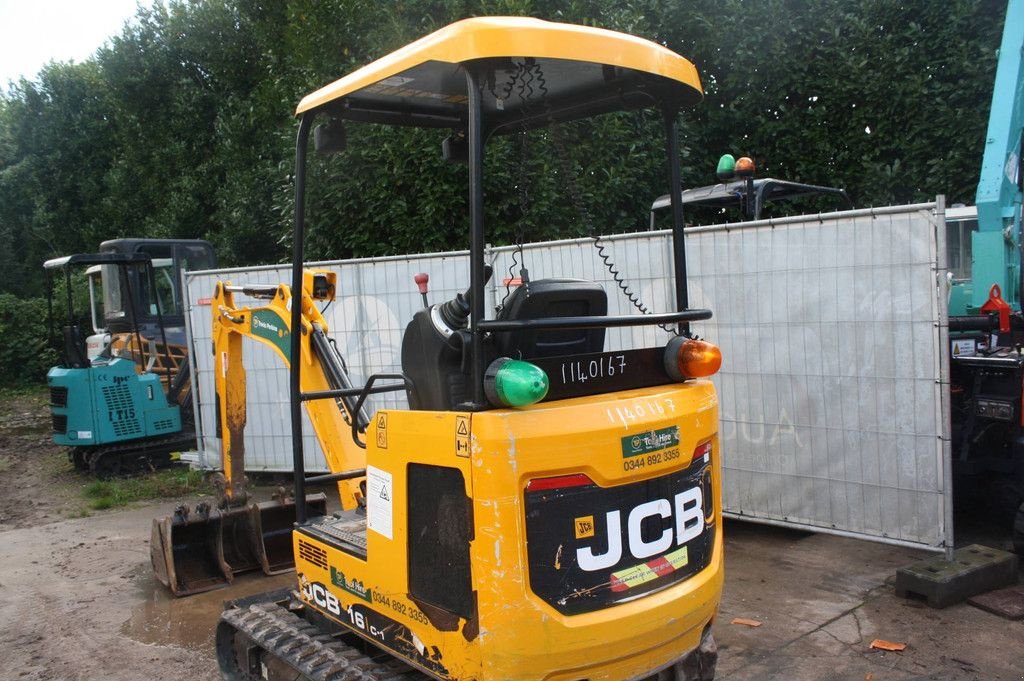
pixel 437 366
pixel 75 355
pixel 552 298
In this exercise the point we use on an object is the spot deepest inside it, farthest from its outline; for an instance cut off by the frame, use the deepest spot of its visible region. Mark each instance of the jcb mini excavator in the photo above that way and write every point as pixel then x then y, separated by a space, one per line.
pixel 546 508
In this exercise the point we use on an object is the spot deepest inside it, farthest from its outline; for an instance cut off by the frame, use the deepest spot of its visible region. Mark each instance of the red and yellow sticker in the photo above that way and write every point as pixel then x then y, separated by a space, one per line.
pixel 624 580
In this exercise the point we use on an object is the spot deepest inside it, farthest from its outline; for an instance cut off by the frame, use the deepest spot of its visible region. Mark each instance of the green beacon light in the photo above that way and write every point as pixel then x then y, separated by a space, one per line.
pixel 514 383
pixel 726 167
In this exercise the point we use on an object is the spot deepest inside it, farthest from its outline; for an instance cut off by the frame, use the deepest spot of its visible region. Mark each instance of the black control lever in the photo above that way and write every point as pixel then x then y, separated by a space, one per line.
pixel 455 312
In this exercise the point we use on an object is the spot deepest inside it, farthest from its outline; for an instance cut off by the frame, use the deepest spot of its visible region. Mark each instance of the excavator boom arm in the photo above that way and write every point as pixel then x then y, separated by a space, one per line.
pixel 997 244
pixel 200 549
pixel 322 370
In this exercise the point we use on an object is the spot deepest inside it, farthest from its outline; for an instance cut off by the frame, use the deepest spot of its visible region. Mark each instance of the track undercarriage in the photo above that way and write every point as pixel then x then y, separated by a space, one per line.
pixel 274 636
pixel 130 458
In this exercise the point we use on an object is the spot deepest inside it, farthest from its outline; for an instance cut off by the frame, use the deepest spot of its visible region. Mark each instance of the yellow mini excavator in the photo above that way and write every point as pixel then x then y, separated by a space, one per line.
pixel 546 508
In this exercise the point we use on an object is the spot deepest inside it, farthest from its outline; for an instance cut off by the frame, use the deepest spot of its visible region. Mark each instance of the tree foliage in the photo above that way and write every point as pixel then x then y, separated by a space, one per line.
pixel 182 126
pixel 26 353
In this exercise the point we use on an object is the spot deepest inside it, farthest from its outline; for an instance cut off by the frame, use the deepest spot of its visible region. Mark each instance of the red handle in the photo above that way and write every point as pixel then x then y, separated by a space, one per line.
pixel 996 303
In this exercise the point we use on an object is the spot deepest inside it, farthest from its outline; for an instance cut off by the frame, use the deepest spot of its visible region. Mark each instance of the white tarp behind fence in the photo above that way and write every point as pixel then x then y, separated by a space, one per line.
pixel 831 328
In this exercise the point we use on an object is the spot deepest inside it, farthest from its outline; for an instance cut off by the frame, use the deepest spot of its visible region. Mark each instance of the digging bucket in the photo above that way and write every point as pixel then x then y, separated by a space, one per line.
pixel 272 522
pixel 240 538
pixel 187 551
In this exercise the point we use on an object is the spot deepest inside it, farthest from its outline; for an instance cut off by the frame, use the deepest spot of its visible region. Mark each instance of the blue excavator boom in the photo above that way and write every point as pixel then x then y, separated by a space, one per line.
pixel 997 243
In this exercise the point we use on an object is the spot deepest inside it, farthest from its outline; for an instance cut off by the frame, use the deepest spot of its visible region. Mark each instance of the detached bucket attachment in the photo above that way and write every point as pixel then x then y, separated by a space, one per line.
pixel 187 551
pixel 273 522
pixel 200 551
pixel 240 539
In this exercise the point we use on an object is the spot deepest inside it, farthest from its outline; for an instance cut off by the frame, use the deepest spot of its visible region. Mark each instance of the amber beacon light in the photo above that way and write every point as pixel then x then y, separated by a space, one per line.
pixel 744 167
pixel 691 358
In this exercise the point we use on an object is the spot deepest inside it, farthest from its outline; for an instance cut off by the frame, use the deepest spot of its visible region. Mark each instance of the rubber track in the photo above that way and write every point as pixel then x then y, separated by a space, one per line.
pixel 317 655
pixel 133 453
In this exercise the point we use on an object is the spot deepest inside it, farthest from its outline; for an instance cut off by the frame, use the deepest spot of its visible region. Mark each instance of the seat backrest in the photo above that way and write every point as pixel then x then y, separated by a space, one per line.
pixel 75 355
pixel 552 298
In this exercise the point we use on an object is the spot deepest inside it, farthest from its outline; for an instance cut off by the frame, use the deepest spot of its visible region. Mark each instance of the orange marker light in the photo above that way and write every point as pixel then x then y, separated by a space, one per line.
pixel 745 166
pixel 688 358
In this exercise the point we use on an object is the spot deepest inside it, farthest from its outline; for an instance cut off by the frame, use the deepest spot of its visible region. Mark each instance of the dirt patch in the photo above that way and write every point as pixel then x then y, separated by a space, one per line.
pixel 78 599
pixel 40 484
pixel 66 591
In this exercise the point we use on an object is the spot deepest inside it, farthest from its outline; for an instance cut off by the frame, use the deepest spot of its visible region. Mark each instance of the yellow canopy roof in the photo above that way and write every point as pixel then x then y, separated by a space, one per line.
pixel 574 70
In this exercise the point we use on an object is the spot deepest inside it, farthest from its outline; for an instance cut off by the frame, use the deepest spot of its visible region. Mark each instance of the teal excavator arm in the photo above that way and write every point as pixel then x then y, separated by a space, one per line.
pixel 997 244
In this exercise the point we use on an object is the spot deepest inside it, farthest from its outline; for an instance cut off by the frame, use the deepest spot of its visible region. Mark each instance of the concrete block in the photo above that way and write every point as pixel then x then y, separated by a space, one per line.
pixel 974 569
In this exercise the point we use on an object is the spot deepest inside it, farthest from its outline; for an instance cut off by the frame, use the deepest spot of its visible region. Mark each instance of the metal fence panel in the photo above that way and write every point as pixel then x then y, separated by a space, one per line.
pixel 831 394
pixel 831 329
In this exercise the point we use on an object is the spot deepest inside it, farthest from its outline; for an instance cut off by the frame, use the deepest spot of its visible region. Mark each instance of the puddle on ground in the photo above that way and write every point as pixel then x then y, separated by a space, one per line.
pixel 189 621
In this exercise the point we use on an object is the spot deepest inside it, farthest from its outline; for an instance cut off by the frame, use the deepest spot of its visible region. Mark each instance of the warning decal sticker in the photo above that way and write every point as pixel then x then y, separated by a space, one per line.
pixel 379 495
pixel 382 430
pixel 462 436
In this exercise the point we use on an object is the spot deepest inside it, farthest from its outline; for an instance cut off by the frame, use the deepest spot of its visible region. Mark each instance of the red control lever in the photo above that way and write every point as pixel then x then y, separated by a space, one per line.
pixel 421 280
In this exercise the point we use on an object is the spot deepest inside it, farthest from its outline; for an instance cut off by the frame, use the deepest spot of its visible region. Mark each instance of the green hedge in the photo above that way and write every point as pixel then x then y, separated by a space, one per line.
pixel 25 352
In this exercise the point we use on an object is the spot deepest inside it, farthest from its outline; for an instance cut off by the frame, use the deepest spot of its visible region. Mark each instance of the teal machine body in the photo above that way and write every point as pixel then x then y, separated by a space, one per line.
pixel 127 408
pixel 108 402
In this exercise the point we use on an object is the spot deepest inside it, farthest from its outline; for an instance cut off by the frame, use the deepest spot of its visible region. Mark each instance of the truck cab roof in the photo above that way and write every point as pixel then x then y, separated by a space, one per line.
pixel 731 194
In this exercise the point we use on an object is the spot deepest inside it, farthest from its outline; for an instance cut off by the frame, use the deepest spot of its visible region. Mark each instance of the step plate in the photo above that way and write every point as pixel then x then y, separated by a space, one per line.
pixel 1007 603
